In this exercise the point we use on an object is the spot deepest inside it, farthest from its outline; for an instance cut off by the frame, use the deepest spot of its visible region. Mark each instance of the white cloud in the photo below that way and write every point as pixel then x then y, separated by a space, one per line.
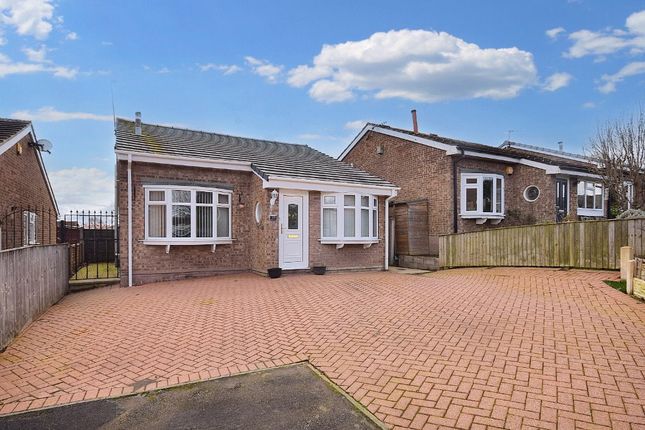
pixel 356 125
pixel 49 114
pixel 161 71
pixel 553 33
pixel 8 67
pixel 270 72
pixel 416 65
pixel 557 81
pixel 226 69
pixel 609 41
pixel 71 36
pixel 80 188
pixel 589 105
pixel 610 81
pixel 29 17
pixel 36 55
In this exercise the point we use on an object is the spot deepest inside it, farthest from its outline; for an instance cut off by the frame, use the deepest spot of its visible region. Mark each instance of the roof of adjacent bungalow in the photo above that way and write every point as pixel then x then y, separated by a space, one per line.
pixel 268 159
pixel 550 160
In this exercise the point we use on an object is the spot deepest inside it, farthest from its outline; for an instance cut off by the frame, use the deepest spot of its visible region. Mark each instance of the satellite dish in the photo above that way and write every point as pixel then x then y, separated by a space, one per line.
pixel 45 145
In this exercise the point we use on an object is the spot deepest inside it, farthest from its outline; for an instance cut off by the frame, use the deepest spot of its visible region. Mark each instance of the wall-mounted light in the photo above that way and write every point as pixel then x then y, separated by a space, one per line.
pixel 509 170
pixel 274 199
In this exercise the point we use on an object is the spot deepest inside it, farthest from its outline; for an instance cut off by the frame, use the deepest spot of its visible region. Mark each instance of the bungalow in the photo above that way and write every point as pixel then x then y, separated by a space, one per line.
pixel 28 209
pixel 450 186
pixel 195 203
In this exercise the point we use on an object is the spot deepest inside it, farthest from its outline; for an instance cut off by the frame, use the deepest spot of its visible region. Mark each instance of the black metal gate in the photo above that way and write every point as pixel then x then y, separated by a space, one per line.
pixel 93 244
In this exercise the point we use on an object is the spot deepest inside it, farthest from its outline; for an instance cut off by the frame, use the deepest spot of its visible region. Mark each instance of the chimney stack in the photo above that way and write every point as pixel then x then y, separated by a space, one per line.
pixel 415 126
pixel 561 146
pixel 137 123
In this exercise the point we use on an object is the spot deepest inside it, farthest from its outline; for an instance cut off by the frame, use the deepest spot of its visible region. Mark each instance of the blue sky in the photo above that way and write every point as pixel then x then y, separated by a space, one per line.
pixel 312 72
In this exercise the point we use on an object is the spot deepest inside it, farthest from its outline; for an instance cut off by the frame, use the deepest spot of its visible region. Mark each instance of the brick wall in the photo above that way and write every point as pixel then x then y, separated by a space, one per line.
pixel 23 185
pixel 151 263
pixel 263 251
pixel 353 257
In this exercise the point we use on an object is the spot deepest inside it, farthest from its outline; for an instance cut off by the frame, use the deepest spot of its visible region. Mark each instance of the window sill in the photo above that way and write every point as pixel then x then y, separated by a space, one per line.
pixel 195 242
pixel 342 242
pixel 590 212
pixel 481 218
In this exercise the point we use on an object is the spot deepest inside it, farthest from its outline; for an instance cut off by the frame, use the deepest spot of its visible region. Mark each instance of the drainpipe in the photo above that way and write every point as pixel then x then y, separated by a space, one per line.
pixel 387 228
pixel 455 218
pixel 129 220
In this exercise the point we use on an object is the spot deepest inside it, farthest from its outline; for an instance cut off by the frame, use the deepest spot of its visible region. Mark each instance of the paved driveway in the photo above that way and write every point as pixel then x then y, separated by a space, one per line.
pixel 462 348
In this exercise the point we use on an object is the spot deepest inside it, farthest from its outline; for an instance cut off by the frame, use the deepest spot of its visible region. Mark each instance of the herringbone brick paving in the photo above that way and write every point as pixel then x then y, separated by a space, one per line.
pixel 471 348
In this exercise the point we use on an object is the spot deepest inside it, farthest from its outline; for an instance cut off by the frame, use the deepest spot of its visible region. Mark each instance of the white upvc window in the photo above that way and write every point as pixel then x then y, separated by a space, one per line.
pixel 591 197
pixel 187 215
pixel 349 217
pixel 29 225
pixel 482 195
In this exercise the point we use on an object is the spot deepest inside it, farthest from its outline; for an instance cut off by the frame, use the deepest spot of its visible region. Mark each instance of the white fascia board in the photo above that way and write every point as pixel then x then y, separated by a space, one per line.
pixel 548 168
pixel 326 186
pixel 184 161
pixel 4 147
pixel 504 158
pixel 450 149
pixel 580 174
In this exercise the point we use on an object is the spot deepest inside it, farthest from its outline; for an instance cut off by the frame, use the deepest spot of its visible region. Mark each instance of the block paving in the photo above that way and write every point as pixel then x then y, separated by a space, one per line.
pixel 467 348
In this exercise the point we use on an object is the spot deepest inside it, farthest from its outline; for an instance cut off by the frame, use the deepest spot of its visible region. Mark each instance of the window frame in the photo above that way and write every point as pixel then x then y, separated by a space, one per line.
pixel 168 204
pixel 479 186
pixel 29 226
pixel 584 210
pixel 358 207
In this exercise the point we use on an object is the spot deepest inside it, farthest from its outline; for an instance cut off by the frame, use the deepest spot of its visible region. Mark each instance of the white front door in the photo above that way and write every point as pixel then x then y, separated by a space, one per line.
pixel 294 220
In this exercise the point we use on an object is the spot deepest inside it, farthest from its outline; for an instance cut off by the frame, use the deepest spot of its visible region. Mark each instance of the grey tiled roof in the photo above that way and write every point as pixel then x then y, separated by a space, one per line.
pixel 507 150
pixel 267 158
pixel 10 127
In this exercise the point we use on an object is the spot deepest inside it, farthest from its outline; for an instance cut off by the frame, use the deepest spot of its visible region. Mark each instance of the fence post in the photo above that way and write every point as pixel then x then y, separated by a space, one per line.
pixel 630 276
pixel 626 255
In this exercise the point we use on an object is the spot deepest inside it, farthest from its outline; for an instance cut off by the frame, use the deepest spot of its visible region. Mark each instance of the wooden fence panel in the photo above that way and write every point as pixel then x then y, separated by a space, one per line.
pixel 582 244
pixel 31 280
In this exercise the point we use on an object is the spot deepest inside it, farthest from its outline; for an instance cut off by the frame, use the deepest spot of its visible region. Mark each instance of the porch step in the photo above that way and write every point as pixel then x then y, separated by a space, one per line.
pixel 424 262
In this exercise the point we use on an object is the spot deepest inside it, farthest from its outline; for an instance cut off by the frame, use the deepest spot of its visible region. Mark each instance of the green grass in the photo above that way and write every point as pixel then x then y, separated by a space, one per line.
pixel 105 270
pixel 619 285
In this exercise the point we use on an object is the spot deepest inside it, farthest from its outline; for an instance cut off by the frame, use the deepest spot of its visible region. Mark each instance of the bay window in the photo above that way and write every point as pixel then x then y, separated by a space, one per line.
pixel 482 195
pixel 187 215
pixel 349 218
pixel 590 198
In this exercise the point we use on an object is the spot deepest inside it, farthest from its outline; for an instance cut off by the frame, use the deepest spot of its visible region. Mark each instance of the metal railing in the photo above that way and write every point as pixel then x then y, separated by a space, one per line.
pixel 93 244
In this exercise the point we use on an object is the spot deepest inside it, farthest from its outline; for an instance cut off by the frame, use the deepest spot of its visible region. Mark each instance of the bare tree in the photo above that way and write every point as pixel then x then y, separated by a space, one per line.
pixel 619 149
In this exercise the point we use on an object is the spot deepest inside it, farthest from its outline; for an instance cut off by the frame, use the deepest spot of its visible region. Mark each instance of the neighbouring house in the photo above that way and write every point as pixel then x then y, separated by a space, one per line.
pixel 28 210
pixel 451 186
pixel 195 203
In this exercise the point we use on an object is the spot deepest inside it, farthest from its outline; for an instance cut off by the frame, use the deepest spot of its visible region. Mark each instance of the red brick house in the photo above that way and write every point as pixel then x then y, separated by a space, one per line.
pixel 449 186
pixel 194 203
pixel 28 210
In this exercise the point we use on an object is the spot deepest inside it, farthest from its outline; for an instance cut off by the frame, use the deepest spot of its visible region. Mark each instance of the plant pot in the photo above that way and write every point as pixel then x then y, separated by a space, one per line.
pixel 274 272
pixel 319 270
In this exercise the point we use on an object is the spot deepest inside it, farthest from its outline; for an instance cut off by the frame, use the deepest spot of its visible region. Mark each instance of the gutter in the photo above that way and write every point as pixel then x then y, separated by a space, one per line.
pixel 386 265
pixel 129 220
pixel 455 217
